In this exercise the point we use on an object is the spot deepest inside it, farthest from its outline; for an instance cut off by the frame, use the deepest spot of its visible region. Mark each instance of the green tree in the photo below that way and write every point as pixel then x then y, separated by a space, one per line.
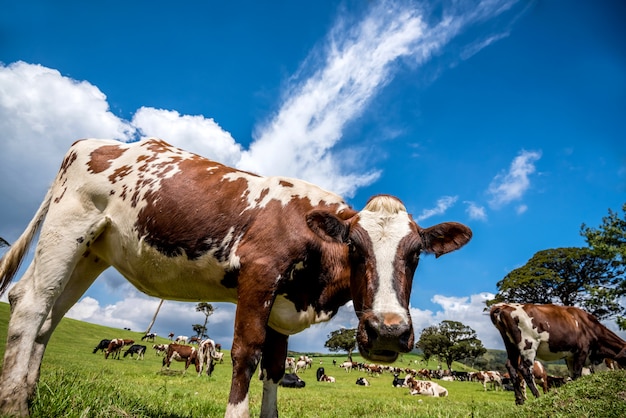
pixel 207 309
pixel 609 241
pixel 450 341
pixel 199 329
pixel 567 276
pixel 342 340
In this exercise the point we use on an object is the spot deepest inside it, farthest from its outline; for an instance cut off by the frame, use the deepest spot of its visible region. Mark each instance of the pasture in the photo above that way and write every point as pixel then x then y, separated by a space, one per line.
pixel 76 383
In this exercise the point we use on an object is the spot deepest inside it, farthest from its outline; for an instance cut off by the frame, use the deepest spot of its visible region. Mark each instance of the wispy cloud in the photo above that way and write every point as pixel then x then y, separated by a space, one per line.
pixel 475 211
pixel 443 204
pixel 358 59
pixel 510 186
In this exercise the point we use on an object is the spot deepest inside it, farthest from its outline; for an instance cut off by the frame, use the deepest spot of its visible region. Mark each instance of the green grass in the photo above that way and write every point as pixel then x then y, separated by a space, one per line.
pixel 76 383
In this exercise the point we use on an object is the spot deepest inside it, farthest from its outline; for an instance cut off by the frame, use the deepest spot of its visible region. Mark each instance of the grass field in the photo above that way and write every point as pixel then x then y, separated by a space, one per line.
pixel 76 383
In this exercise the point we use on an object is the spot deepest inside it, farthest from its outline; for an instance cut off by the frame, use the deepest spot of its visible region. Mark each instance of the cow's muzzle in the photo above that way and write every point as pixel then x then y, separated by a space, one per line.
pixel 381 337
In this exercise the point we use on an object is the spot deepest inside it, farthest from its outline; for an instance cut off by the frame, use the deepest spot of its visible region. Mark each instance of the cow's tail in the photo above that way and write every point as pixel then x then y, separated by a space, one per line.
pixel 10 263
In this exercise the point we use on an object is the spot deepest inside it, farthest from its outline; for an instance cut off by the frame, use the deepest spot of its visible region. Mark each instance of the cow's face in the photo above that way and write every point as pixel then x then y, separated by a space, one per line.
pixel 384 248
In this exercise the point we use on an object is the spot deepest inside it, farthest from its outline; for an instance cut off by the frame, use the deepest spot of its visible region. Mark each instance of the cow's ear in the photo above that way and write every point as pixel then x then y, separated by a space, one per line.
pixel 328 226
pixel 445 237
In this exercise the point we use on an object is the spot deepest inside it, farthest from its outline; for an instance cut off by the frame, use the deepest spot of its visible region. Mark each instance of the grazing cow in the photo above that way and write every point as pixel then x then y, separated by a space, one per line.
pixel 486 377
pixel 361 381
pixel 102 345
pixel 136 349
pixel 182 227
pixel 180 352
pixel 426 387
pixel 290 365
pixel 195 340
pixel 160 348
pixel 347 365
pixel 149 337
pixel 300 366
pixel 207 355
pixel 291 380
pixel 115 346
pixel 181 339
pixel 552 332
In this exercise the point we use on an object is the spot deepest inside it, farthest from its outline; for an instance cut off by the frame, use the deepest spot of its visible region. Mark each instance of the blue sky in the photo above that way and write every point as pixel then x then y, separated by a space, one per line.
pixel 508 116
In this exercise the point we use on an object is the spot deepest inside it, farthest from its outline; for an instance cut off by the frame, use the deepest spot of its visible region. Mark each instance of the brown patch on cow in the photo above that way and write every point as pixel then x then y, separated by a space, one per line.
pixel 120 173
pixel 285 183
pixel 101 158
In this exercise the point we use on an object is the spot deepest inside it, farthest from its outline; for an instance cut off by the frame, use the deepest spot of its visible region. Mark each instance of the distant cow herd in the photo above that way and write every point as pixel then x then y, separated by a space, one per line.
pixel 205 355
pixel 530 332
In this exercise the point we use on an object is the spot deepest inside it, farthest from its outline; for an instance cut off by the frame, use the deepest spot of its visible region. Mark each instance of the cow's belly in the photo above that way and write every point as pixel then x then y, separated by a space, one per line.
pixel 285 319
pixel 544 353
pixel 176 278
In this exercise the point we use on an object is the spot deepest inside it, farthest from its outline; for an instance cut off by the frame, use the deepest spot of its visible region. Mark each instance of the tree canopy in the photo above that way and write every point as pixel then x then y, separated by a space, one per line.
pixel 342 340
pixel 609 241
pixel 566 276
pixel 450 341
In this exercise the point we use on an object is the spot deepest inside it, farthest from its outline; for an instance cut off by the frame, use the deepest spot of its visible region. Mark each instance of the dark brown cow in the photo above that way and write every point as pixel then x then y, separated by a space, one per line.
pixel 552 332
pixel 180 352
pixel 179 226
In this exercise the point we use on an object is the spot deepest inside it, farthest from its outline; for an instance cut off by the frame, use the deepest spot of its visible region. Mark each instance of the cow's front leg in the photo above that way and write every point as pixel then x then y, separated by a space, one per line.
pixel 250 328
pixel 272 370
pixel 517 382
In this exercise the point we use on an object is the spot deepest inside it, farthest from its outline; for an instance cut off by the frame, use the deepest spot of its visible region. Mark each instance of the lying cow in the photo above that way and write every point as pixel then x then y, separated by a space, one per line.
pixel 291 380
pixel 361 381
pixel 397 382
pixel 426 387
pixel 185 353
pixel 136 349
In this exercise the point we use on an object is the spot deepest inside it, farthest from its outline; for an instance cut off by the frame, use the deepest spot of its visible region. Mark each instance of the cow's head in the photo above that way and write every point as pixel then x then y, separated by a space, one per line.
pixel 384 248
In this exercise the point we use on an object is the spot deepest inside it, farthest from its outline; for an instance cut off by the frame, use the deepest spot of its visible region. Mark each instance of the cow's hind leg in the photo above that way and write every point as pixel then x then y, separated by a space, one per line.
pixel 272 370
pixel 52 283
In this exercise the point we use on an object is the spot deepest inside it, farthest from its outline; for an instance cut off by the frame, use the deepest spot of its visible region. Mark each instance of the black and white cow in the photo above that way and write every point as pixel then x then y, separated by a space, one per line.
pixel 291 380
pixel 136 349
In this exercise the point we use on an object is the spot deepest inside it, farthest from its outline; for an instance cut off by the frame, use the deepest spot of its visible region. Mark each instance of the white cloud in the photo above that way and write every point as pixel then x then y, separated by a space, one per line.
pixel 476 212
pixel 358 60
pixel 511 186
pixel 193 133
pixel 440 208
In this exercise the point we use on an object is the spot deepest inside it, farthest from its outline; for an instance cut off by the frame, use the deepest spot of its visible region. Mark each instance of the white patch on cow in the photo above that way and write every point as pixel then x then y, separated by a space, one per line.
pixel 386 230
pixel 262 190
pixel 237 410
pixel 286 319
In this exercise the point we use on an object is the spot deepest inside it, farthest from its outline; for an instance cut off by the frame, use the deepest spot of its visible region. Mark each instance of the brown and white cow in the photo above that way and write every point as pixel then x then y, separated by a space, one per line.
pixel 184 353
pixel 115 346
pixel 486 377
pixel 179 226
pixel 425 387
pixel 551 332
pixel 207 356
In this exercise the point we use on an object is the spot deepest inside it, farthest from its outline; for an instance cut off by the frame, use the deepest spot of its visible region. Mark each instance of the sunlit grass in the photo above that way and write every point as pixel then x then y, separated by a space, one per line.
pixel 76 383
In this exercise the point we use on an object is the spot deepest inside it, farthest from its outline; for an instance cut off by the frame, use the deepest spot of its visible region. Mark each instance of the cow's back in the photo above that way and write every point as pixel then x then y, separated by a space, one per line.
pixel 186 222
